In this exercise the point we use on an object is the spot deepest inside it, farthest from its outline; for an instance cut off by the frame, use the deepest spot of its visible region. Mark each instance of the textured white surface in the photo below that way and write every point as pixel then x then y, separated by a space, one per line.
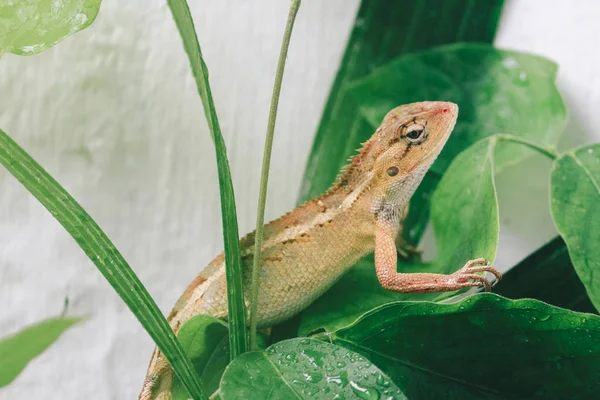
pixel 113 114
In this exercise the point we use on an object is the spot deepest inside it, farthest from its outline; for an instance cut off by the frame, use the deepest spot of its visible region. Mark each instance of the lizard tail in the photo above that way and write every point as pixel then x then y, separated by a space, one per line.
pixel 158 382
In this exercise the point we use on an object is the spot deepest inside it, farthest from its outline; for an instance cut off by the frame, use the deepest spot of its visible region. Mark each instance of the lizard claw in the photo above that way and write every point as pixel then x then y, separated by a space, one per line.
pixel 469 274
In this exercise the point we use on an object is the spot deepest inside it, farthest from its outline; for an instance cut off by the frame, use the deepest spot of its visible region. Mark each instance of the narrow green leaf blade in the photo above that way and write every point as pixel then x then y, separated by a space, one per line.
pixel 575 205
pixel 32 26
pixel 102 252
pixel 483 347
pixel 547 275
pixel 18 350
pixel 233 264
pixel 305 369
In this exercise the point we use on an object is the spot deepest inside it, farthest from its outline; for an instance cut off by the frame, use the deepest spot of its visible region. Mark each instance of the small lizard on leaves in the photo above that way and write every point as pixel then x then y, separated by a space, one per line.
pixel 307 250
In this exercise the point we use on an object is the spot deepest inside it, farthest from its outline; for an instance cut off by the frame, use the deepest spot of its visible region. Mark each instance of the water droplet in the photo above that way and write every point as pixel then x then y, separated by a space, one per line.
pixel 545 317
pixel 291 356
pixel 341 364
pixel 366 392
pixel 523 76
pixel 381 381
pixel 510 63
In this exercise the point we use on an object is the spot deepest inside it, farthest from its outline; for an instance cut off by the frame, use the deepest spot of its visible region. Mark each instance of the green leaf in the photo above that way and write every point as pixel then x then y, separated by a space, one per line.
pixel 547 275
pixel 484 347
pixel 18 350
pixel 32 26
pixel 465 221
pixel 490 86
pixel 233 264
pixel 305 369
pixel 205 340
pixel 102 252
pixel 383 31
pixel 575 205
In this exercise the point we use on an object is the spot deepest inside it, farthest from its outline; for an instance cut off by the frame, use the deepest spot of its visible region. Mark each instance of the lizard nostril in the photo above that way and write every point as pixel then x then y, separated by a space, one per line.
pixel 445 110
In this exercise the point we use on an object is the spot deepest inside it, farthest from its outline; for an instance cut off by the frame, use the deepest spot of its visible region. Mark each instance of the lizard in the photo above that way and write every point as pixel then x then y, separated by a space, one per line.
pixel 307 250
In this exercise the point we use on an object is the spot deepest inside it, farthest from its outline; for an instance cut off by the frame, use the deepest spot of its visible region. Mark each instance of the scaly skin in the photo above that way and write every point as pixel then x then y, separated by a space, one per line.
pixel 307 250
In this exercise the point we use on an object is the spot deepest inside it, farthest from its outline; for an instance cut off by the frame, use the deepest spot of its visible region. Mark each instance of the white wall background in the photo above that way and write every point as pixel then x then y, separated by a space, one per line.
pixel 113 114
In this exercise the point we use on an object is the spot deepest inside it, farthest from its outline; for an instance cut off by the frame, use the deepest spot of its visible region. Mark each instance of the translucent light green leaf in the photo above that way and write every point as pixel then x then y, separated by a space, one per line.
pixel 465 221
pixel 547 275
pixel 305 369
pixel 205 340
pixel 233 264
pixel 31 26
pixel 18 350
pixel 103 253
pixel 483 347
pixel 575 205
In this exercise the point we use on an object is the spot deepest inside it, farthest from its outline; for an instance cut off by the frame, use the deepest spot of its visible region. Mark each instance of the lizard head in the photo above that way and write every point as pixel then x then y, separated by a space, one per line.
pixel 406 144
pixel 392 163
pixel 411 137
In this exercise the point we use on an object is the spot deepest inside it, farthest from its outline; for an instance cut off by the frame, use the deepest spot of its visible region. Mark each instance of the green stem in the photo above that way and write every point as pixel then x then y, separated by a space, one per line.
pixel 264 178
pixel 550 153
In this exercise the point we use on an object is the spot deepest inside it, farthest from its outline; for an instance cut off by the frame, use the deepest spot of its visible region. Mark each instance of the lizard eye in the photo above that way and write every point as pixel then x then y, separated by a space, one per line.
pixel 415 133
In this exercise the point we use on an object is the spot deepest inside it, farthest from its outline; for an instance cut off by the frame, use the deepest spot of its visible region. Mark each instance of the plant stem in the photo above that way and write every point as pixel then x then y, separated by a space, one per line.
pixel 550 153
pixel 264 177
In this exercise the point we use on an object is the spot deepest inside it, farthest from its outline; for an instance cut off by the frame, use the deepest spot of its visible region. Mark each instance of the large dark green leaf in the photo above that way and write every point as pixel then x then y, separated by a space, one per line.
pixel 233 264
pixel 483 347
pixel 103 253
pixel 575 204
pixel 547 275
pixel 465 221
pixel 305 369
pixel 384 30
pixel 31 26
pixel 16 351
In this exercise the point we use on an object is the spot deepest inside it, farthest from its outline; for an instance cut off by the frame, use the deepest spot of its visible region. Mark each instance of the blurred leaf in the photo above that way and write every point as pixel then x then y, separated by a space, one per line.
pixel 305 369
pixel 547 275
pixel 575 205
pixel 205 340
pixel 102 252
pixel 31 26
pixel 465 221
pixel 18 350
pixel 382 31
pixel 233 264
pixel 483 347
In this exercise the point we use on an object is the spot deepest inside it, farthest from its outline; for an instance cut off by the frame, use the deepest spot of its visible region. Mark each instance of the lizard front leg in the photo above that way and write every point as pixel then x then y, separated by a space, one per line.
pixel 385 265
